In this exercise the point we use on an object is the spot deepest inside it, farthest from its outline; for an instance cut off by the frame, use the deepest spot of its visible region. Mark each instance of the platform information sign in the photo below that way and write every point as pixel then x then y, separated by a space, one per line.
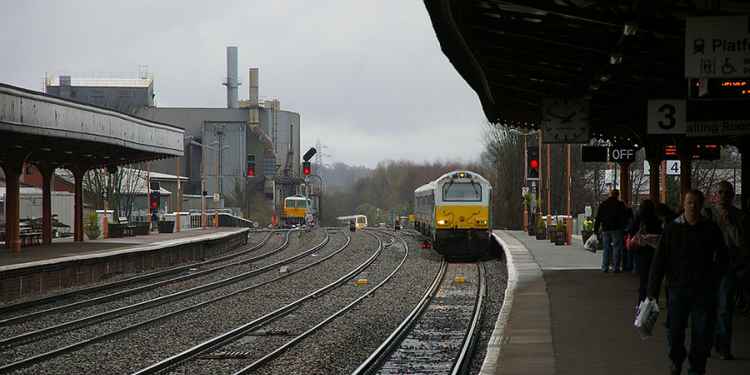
pixel 666 116
pixel 669 116
pixel 673 167
pixel 717 47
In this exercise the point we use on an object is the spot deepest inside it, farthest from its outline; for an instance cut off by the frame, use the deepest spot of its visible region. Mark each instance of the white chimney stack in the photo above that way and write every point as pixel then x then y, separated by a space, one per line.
pixel 232 83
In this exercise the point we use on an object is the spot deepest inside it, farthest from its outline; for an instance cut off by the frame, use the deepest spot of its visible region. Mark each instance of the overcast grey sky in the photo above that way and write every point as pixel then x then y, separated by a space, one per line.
pixel 367 77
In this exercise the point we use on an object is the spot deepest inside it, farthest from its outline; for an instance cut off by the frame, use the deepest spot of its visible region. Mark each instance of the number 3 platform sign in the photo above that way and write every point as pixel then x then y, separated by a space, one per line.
pixel 667 116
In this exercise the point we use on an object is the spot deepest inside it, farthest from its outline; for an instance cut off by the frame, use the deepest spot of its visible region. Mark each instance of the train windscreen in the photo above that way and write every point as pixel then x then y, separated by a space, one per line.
pixel 462 192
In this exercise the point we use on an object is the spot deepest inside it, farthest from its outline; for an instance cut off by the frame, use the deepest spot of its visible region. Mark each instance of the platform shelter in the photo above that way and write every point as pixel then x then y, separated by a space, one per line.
pixel 51 133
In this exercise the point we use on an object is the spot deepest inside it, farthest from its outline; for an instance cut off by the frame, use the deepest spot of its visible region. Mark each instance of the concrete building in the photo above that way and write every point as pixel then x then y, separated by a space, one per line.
pixel 121 94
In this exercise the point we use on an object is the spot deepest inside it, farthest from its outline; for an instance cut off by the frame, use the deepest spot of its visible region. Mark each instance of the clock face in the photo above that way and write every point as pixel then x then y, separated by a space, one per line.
pixel 565 120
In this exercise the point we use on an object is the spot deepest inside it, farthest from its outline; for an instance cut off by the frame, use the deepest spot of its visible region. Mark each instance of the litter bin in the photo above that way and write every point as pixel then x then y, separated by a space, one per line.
pixel 166 226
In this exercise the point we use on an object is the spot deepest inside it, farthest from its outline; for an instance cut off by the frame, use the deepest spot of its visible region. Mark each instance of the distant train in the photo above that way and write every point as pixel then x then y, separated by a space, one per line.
pixel 295 210
pixel 454 211
pixel 360 221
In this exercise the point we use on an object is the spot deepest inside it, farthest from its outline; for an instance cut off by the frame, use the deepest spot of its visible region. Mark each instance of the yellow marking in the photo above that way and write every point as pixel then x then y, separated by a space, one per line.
pixel 461 217
pixel 459 279
pixel 360 282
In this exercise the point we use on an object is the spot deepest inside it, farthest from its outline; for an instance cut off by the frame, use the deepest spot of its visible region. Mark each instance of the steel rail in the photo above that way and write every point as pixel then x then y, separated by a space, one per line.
pixel 268 357
pixel 381 352
pixel 55 298
pixel 75 346
pixel 240 331
pixel 142 288
pixel 463 361
pixel 115 313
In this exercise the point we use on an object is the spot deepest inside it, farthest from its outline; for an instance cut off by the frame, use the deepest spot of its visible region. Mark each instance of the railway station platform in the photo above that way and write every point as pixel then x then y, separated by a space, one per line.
pixel 65 263
pixel 564 316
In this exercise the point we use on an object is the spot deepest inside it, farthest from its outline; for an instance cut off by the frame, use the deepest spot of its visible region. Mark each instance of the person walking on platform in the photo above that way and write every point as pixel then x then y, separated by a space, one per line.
pixel 732 223
pixel 691 253
pixel 647 224
pixel 611 216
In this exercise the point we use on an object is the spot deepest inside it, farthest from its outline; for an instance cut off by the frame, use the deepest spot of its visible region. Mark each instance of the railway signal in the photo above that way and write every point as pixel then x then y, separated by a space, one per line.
pixel 250 165
pixel 154 200
pixel 306 168
pixel 532 164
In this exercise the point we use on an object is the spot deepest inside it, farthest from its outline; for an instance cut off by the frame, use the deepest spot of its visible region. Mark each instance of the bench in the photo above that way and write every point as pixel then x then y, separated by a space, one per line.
pixel 128 229
pixel 31 238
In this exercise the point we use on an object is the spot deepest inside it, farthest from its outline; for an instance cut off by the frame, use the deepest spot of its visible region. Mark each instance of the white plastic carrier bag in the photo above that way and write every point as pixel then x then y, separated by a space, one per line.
pixel 645 317
pixel 591 244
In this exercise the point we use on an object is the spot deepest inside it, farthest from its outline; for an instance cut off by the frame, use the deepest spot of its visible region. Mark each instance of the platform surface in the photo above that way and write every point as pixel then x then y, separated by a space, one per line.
pixel 569 318
pixel 66 249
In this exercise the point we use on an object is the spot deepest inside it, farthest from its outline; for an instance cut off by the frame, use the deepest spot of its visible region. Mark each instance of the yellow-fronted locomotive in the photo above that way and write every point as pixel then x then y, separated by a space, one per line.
pixel 294 211
pixel 455 212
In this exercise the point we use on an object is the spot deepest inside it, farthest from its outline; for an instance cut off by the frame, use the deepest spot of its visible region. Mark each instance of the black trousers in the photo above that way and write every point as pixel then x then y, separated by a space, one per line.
pixel 645 256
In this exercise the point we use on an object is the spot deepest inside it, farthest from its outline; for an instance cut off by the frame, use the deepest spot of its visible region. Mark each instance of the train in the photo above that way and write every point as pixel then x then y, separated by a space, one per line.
pixel 295 211
pixel 360 221
pixel 454 212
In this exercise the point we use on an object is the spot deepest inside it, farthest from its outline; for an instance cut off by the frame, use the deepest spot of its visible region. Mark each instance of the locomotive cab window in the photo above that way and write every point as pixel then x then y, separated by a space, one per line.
pixel 462 192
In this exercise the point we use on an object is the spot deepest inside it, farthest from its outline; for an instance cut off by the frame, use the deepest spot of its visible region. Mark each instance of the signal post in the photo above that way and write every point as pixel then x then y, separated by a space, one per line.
pixel 532 176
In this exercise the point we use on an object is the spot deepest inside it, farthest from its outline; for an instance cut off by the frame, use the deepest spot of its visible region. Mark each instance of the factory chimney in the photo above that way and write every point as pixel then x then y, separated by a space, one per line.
pixel 253 85
pixel 232 83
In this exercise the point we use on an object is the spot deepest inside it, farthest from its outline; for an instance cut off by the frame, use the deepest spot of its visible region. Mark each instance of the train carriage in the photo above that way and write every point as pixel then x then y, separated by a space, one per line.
pixel 455 212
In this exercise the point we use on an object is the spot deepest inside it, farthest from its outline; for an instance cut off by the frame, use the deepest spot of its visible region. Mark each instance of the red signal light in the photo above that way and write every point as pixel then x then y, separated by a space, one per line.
pixel 306 168
pixel 251 171
pixel 534 164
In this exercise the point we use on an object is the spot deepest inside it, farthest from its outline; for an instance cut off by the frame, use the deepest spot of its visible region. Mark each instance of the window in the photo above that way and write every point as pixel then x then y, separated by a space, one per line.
pixel 464 192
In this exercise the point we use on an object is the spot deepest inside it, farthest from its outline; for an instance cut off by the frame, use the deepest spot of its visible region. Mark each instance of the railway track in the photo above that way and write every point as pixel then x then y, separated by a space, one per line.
pixel 186 359
pixel 116 312
pixel 31 360
pixel 439 334
pixel 38 305
pixel 262 346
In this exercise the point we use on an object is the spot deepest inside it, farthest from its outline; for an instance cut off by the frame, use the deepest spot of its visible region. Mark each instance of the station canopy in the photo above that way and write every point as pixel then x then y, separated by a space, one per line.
pixel 42 129
pixel 615 55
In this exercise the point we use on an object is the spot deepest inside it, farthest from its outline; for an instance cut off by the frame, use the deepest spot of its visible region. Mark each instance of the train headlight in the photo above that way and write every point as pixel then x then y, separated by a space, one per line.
pixel 442 222
pixel 482 222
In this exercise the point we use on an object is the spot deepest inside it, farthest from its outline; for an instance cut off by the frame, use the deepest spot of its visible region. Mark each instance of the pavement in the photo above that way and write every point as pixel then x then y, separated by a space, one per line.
pixel 67 248
pixel 562 315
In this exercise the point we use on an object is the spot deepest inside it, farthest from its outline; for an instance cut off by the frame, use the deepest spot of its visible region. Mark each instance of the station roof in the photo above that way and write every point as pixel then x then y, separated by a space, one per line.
pixel 43 128
pixel 616 54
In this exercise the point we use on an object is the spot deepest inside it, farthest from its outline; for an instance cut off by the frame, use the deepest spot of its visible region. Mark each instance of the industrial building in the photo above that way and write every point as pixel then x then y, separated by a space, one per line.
pixel 221 144
pixel 121 94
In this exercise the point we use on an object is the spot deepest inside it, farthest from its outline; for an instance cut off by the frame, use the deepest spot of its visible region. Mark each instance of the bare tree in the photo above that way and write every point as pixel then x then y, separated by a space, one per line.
pixel 120 188
pixel 503 157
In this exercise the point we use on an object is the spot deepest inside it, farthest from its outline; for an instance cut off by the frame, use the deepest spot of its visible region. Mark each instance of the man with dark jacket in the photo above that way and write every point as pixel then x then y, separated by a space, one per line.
pixel 692 256
pixel 732 222
pixel 611 216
